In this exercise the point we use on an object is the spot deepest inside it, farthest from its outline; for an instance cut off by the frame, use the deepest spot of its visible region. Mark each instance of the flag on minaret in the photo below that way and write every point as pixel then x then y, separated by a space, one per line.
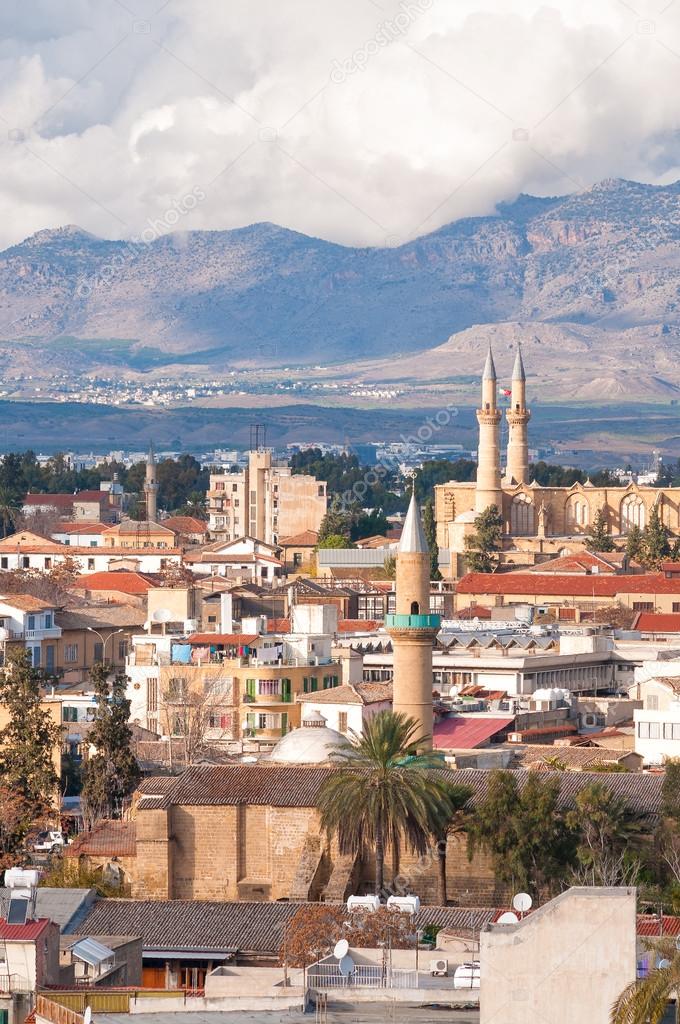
pixel 506 392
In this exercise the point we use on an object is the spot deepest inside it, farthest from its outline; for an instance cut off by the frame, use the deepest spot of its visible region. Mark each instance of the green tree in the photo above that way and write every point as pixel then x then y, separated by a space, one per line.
pixel 30 738
pixel 441 471
pixel 430 528
pixel 335 523
pixel 609 835
pixel 112 772
pixel 523 830
pixel 655 546
pixel 386 792
pixel 334 540
pixel 482 547
pixel 598 537
pixel 635 544
pixel 10 510
pixel 646 1001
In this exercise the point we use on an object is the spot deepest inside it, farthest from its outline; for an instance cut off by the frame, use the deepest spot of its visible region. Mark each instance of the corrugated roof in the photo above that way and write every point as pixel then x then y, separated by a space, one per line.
pixel 63 906
pixel 654 925
pixel 28 932
pixel 107 839
pixel 91 951
pixel 467 733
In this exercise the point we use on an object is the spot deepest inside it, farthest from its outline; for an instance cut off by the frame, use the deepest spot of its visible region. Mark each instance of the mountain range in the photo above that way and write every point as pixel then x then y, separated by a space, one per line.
pixel 590 282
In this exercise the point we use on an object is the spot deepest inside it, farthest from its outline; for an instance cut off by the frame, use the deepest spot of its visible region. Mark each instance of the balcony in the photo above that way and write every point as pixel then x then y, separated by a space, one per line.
pixel 412 622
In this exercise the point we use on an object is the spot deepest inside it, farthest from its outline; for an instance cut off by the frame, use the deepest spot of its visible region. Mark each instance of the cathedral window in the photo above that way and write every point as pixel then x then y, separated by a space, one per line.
pixel 633 513
pixel 522 516
pixel 578 512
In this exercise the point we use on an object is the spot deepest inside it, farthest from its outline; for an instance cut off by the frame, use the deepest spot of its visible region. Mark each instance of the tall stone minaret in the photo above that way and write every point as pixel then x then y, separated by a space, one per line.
pixel 413 628
pixel 518 417
pixel 488 490
pixel 151 487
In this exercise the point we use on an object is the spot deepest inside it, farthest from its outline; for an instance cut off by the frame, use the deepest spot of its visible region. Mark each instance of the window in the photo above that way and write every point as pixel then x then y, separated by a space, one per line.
pixel 98 651
pixel 177 688
pixel 643 606
pixel 633 513
pixel 268 687
pixel 522 516
pixel 151 694
pixel 671 730
pixel 342 721
pixel 48 620
pixel 649 730
pixel 25 562
pixel 122 650
pixel 217 720
pixel 578 512
pixel 370 607
pixel 30 622
pixel 70 652
pixel 415 608
pixel 48 562
pixel 70 714
pixel 4 562
pixel 652 703
pixel 297 559
pixel 250 687
pixel 90 563
pixel 676 606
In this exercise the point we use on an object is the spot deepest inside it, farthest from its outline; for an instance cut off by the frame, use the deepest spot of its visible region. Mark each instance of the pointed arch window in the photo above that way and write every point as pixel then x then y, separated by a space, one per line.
pixel 633 513
pixel 522 516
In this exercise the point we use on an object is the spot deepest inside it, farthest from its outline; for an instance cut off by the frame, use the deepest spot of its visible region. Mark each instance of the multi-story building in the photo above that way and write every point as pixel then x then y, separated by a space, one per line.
pixel 216 687
pixel 30 621
pixel 265 501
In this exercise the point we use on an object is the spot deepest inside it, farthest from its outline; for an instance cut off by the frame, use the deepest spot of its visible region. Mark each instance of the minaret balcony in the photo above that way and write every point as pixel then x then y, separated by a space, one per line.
pixel 413 622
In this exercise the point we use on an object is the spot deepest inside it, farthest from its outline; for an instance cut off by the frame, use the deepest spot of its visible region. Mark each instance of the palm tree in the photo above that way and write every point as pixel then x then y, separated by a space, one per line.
pixel 10 509
pixel 386 792
pixel 645 1001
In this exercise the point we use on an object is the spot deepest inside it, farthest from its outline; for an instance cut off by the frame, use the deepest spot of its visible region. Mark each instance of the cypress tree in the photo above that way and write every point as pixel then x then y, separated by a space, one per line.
pixel 655 546
pixel 482 547
pixel 430 528
pixel 112 772
pixel 598 536
pixel 28 741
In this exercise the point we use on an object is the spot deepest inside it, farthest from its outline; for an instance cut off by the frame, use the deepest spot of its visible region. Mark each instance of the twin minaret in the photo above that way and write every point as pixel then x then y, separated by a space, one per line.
pixel 489 484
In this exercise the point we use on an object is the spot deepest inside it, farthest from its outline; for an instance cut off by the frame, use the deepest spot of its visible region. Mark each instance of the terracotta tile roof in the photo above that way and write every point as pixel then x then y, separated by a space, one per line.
pixel 93 528
pixel 223 639
pixel 101 496
pixel 359 625
pixel 59 501
pixel 584 561
pixel 563 585
pixel 652 622
pixel 193 925
pixel 28 932
pixel 545 730
pixel 26 602
pixel 348 693
pixel 107 839
pixel 306 539
pixel 466 733
pixel 185 524
pixel 124 581
pixel 137 526
pixel 572 757
pixel 285 785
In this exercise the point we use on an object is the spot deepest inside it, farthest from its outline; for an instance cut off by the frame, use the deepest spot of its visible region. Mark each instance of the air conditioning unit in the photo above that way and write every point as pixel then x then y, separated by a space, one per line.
pixel 439 968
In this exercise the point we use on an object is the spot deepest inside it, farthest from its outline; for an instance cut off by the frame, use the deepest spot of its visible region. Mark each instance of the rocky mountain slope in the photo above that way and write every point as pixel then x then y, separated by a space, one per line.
pixel 587 278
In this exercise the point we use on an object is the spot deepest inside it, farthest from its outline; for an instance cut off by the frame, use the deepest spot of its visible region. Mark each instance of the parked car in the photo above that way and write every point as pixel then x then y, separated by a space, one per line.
pixel 466 975
pixel 47 842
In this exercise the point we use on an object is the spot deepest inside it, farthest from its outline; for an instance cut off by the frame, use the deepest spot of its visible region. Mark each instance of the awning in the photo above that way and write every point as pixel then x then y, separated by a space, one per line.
pixel 92 952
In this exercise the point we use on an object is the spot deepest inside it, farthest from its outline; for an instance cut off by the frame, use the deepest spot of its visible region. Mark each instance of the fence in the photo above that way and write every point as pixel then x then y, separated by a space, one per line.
pixel 321 976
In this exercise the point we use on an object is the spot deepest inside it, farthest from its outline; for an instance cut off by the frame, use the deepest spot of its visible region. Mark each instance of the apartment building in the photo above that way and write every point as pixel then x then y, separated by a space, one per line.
pixel 265 501
pixel 30 621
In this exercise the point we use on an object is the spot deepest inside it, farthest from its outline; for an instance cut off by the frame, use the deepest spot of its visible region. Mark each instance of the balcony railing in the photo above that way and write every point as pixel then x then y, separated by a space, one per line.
pixel 412 621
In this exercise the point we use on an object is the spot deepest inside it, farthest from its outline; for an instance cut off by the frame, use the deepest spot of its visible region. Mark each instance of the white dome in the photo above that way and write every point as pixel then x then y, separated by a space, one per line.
pixel 312 743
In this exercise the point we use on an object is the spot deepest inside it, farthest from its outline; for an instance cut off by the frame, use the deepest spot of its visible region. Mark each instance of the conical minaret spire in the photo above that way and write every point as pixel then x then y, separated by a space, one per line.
pixel 488 491
pixel 518 417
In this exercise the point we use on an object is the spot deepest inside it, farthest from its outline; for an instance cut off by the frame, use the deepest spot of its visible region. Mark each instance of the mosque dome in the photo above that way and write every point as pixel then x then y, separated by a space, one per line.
pixel 312 743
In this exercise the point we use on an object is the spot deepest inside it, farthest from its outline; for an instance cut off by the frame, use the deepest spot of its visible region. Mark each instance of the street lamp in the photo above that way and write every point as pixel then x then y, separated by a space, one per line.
pixel 104 641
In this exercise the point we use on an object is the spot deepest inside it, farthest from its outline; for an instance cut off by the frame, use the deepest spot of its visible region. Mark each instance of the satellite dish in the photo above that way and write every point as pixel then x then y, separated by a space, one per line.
pixel 346 966
pixel 162 615
pixel 87 1016
pixel 677 943
pixel 663 964
pixel 340 949
pixel 508 918
pixel 522 902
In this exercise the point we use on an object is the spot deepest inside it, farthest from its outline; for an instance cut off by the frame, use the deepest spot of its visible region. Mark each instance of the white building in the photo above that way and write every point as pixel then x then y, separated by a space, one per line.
pixel 29 620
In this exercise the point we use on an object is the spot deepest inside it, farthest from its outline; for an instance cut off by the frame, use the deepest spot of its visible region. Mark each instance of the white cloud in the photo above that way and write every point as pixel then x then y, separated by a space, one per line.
pixel 357 121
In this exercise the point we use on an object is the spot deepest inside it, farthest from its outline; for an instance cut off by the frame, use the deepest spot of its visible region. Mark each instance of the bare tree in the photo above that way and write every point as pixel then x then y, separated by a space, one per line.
pixel 200 710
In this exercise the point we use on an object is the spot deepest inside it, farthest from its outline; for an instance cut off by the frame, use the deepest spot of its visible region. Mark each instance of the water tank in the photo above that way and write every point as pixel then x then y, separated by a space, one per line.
pixel 190 626
pixel 363 902
pixel 407 904
pixel 21 878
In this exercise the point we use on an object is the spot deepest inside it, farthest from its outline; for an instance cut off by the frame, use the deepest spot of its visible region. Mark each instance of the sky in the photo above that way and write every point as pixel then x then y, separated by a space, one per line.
pixel 366 122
